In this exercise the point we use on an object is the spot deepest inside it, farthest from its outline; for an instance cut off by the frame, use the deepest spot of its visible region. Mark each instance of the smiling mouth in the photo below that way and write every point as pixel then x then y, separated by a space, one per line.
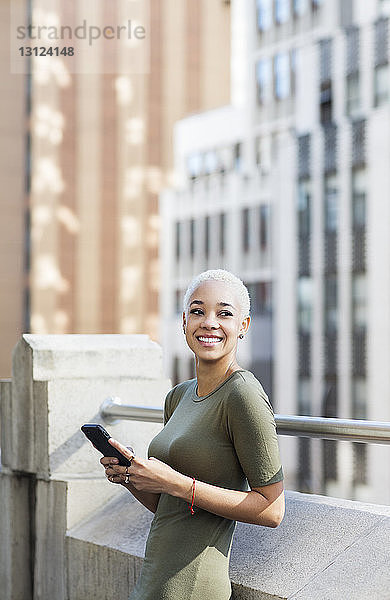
pixel 208 340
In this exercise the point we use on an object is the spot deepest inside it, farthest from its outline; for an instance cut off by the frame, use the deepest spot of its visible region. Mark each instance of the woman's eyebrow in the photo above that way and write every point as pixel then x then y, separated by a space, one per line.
pixel 226 304
pixel 218 303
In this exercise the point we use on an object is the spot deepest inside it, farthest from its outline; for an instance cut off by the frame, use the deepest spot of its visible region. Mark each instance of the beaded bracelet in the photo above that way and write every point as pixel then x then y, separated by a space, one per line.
pixel 191 506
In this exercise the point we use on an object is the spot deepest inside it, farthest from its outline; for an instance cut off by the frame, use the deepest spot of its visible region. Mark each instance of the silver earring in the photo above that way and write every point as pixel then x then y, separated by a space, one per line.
pixel 241 336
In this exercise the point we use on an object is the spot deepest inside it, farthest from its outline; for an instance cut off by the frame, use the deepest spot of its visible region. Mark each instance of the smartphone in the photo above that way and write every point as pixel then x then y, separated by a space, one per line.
pixel 99 438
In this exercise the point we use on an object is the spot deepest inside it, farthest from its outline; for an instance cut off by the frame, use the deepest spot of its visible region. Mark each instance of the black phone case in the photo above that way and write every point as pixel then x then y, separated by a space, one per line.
pixel 99 438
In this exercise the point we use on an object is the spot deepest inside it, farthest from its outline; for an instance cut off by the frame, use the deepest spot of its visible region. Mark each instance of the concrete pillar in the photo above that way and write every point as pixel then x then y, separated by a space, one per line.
pixel 16 530
pixel 51 477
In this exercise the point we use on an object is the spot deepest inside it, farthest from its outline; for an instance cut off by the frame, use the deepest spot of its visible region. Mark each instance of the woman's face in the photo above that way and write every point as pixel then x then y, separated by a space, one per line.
pixel 214 321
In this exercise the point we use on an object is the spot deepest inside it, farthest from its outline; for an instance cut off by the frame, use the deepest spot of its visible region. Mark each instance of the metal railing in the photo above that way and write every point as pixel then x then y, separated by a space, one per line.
pixel 374 432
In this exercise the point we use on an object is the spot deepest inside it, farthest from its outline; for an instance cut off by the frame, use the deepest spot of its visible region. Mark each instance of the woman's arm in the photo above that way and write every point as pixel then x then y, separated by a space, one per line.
pixel 261 506
pixel 149 478
pixel 148 499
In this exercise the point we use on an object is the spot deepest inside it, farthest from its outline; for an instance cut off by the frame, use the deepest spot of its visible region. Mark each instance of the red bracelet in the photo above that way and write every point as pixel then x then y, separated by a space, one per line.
pixel 191 506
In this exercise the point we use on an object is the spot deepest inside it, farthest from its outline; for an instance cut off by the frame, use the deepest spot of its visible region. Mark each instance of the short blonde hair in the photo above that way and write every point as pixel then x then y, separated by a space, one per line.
pixel 238 286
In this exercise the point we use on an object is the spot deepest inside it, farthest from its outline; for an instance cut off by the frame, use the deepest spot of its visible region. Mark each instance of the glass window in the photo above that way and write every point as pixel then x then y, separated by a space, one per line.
pixel 359 198
pixel 359 398
pixel 237 156
pixel 258 150
pixel 226 158
pixel 194 165
pixel 263 80
pixel 326 102
pixel 222 233
pixel 359 143
pixel 331 203
pixel 293 70
pixel 359 464
pixel 264 297
pixel 178 302
pixel 175 371
pixel 384 7
pixel 264 226
pixel 282 76
pixel 191 368
pixel 331 320
pixel 177 238
pixel 359 302
pixel 261 297
pixel 330 460
pixel 304 397
pixel 264 153
pixel 381 41
pixel 381 85
pixel 211 161
pixel 352 94
pixel 245 229
pixel 326 57
pixel 346 12
pixel 282 11
pixel 207 236
pixel 304 156
pixel 192 237
pixel 305 304
pixel 264 14
pixel 304 479
pixel 300 7
pixel 304 201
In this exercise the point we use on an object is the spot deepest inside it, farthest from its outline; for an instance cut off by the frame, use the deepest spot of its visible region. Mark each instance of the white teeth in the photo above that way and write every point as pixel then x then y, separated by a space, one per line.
pixel 209 339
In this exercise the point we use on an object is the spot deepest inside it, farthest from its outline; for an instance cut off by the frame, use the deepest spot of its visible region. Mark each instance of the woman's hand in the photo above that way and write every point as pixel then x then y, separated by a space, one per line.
pixel 146 475
pixel 114 472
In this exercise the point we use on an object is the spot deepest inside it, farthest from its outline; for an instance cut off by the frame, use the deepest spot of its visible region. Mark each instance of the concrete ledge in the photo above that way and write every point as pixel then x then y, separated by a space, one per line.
pixel 317 533
pixel 60 382
pixel 77 356
pixel 324 549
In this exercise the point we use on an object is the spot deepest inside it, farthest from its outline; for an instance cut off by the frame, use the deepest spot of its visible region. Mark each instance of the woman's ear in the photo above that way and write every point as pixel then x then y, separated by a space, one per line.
pixel 184 322
pixel 245 325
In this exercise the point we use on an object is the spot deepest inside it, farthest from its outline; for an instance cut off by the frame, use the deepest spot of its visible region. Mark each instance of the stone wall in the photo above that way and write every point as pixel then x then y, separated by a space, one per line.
pixel 325 549
pixel 51 478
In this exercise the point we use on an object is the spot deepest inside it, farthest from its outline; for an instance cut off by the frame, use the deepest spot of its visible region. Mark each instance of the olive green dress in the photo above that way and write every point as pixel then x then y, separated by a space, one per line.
pixel 227 438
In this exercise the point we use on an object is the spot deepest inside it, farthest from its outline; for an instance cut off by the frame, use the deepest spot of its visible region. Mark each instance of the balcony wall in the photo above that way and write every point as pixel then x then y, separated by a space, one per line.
pixel 68 534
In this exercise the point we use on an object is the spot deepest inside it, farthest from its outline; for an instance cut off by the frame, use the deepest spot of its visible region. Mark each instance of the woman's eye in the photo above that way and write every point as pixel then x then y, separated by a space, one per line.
pixel 199 311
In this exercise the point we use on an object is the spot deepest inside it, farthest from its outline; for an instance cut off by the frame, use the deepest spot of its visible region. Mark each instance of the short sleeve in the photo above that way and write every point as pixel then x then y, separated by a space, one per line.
pixel 252 430
pixel 167 407
pixel 172 399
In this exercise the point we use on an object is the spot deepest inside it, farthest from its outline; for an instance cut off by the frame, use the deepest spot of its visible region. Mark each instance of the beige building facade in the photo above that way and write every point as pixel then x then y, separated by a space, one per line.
pixel 83 159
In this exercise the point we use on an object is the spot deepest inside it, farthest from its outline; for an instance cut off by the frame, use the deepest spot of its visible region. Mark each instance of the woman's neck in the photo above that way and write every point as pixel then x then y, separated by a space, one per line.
pixel 210 375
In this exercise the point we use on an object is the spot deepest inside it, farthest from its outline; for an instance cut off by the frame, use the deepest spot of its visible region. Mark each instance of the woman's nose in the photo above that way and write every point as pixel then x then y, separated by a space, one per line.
pixel 210 321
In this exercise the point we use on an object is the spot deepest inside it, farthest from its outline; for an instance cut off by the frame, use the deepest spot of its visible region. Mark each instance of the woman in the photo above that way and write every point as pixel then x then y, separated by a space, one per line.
pixel 219 435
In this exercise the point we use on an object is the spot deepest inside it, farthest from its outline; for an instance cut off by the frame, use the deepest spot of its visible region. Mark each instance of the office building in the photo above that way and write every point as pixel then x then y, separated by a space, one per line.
pixel 287 188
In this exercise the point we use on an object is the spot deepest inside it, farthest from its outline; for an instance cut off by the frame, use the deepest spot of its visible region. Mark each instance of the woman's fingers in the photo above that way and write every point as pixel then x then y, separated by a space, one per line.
pixel 114 472
pixel 114 478
pixel 122 449
pixel 108 460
